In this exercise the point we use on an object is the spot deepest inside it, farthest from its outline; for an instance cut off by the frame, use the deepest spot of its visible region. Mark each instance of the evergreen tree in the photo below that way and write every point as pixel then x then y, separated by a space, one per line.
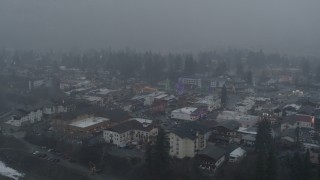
pixel 296 167
pixel 223 96
pixel 239 68
pixel 157 155
pixel 318 73
pixel 189 65
pixel 271 165
pixel 306 166
pixel 261 167
pixel 249 78
pixel 263 138
pixel 297 134
pixel 305 67
pixel 266 162
pixel 318 167
pixel 161 153
pixel 150 158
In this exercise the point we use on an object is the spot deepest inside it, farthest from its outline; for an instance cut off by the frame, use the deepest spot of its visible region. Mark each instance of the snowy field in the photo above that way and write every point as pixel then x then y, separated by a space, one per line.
pixel 9 172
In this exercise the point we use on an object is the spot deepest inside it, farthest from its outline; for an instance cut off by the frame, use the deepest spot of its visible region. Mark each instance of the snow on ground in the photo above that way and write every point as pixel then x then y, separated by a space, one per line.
pixel 9 172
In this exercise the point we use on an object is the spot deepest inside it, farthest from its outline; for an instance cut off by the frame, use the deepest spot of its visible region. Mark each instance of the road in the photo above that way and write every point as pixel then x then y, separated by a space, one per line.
pixel 74 166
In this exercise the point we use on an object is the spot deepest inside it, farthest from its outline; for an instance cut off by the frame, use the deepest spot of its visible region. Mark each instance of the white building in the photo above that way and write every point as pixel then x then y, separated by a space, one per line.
pixel 211 158
pixel 211 102
pixel 186 113
pixel 298 120
pixel 191 81
pixel 54 109
pixel 237 155
pixel 247 135
pixel 245 105
pixel 130 131
pixel 218 82
pixel 244 119
pixel 187 139
pixel 23 117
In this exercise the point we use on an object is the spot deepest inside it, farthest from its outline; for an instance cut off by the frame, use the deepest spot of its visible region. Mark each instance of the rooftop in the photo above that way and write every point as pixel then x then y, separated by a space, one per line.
pixel 131 125
pixel 185 110
pixel 90 121
pixel 189 130
pixel 299 117
pixel 251 130
pixel 213 152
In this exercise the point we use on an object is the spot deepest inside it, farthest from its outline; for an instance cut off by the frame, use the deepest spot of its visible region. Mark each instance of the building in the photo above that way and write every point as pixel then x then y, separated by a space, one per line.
pixel 23 117
pixel 159 106
pixel 209 102
pixel 191 81
pixel 186 113
pixel 210 159
pixel 247 136
pixel 187 139
pixel 244 119
pixel 298 120
pixel 218 82
pixel 135 130
pixel 225 132
pixel 237 155
pixel 55 108
pixel 245 105
pixel 88 124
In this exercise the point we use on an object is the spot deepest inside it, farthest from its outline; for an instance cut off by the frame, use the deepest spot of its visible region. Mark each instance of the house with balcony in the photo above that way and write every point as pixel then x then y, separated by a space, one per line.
pixel 187 139
pixel 298 120
pixel 139 131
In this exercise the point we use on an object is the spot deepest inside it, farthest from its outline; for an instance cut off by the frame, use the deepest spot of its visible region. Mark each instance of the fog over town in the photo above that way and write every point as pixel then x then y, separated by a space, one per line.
pixel 286 26
pixel 153 90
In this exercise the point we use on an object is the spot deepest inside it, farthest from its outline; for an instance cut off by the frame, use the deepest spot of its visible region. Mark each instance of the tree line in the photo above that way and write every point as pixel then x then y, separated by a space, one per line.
pixel 156 66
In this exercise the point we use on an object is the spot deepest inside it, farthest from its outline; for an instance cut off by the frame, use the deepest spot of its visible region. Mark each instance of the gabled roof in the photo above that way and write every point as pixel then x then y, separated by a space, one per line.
pixel 189 130
pixel 131 125
pixel 298 117
pixel 238 152
pixel 230 125
pixel 213 152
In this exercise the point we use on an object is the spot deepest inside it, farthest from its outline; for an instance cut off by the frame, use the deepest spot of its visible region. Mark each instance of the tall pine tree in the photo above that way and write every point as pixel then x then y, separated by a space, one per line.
pixel 224 96
pixel 157 155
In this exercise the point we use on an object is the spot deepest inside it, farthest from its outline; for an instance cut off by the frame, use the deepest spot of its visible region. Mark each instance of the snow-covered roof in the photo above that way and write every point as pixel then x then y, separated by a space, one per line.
pixel 161 96
pixel 244 130
pixel 169 97
pixel 185 110
pixel 234 115
pixel 87 122
pixel 295 106
pixel 92 98
pixel 238 152
pixel 14 122
pixel 104 91
pixel 147 121
pixel 9 172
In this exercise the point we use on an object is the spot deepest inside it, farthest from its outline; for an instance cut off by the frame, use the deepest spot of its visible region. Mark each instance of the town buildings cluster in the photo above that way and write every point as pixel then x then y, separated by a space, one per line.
pixel 129 112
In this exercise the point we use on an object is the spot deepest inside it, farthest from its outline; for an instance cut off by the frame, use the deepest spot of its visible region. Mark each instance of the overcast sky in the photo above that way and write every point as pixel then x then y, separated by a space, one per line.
pixel 285 26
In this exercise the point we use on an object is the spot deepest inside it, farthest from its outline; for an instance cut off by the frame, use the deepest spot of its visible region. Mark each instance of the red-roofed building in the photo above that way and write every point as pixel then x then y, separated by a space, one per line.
pixel 298 120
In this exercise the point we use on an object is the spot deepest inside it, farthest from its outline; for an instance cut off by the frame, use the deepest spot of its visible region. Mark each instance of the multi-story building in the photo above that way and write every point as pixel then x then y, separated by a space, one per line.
pixel 186 113
pixel 225 132
pixel 134 130
pixel 191 81
pixel 22 117
pixel 218 82
pixel 210 159
pixel 298 120
pixel 187 139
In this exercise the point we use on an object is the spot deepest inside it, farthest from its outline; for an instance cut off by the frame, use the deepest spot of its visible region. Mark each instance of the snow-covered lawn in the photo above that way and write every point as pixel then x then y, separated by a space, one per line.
pixel 9 172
